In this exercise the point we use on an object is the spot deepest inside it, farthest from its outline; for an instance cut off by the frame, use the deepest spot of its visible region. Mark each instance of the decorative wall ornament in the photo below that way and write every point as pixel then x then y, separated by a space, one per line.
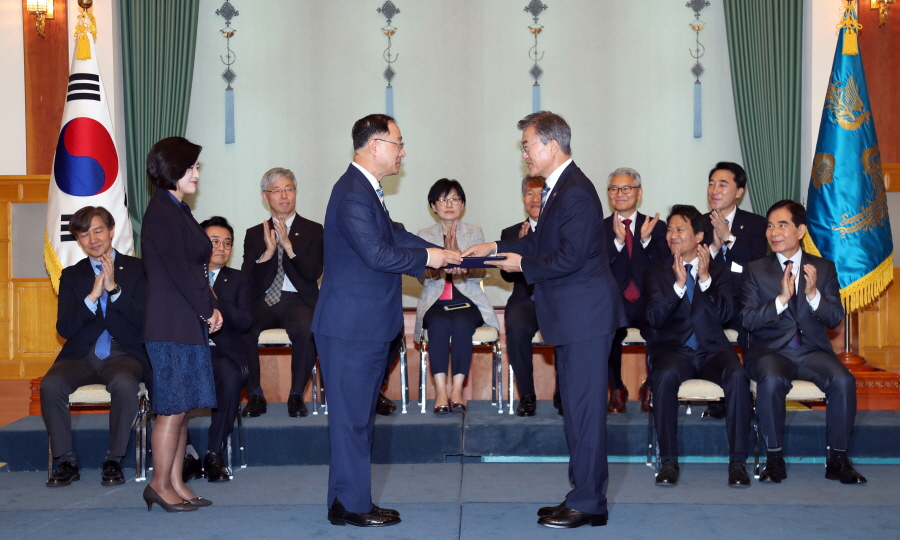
pixel 697 69
pixel 228 12
pixel 535 8
pixel 389 10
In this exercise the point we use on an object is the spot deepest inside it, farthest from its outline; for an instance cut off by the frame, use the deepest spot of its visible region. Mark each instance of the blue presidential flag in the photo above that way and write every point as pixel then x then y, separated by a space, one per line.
pixel 846 206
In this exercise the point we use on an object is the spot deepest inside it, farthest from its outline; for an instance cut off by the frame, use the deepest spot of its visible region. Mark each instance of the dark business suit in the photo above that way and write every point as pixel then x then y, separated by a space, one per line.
pixel 230 352
pixel 579 310
pixel 358 314
pixel 77 365
pixel 773 364
pixel 521 323
pixel 626 269
pixel 671 322
pixel 294 311
pixel 750 244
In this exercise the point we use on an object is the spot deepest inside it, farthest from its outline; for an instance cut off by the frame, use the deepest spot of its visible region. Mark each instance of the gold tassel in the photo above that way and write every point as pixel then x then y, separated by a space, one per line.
pixel 51 261
pixel 86 24
pixel 852 26
pixel 864 290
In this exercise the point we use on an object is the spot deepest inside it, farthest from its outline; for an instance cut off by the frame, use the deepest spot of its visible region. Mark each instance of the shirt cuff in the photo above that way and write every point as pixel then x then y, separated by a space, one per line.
pixel 705 284
pixel 679 290
pixel 647 243
pixel 779 307
pixel 91 305
pixel 427 258
pixel 814 303
pixel 713 252
pixel 617 244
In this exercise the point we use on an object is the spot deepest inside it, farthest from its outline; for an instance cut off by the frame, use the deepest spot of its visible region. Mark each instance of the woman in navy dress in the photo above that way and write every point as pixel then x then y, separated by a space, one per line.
pixel 180 314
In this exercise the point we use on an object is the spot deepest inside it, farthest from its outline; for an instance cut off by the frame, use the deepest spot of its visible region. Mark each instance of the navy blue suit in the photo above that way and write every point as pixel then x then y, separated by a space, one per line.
pixel 579 309
pixel 773 364
pixel 358 314
pixel 671 322
pixel 624 270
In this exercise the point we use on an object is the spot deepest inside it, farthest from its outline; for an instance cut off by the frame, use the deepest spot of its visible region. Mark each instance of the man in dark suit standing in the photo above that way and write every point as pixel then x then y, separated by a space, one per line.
pixel 628 260
pixel 578 307
pixel 229 348
pixel 790 299
pixel 100 315
pixel 688 302
pixel 283 257
pixel 735 238
pixel 520 317
pixel 359 312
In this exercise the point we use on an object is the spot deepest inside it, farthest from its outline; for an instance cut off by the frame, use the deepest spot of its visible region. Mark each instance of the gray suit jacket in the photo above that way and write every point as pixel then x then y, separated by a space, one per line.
pixel 468 284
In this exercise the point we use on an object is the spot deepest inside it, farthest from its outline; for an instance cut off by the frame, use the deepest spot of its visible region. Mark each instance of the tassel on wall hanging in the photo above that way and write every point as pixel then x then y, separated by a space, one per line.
pixel 228 12
pixel 697 68
pixel 389 10
pixel 535 8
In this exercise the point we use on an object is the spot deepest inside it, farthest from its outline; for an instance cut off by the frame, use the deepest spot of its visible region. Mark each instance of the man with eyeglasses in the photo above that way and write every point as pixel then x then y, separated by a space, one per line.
pixel 579 307
pixel 628 259
pixel 284 257
pixel 229 349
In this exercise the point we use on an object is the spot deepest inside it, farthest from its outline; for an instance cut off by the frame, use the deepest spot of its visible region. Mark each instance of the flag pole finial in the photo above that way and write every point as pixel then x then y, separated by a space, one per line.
pixel 851 24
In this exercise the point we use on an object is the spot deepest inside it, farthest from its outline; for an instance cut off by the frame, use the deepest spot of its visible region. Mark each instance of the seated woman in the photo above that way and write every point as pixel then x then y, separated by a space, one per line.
pixel 452 305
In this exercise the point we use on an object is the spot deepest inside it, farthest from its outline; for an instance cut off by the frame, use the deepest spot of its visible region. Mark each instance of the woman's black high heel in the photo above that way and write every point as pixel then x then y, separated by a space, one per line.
pixel 151 496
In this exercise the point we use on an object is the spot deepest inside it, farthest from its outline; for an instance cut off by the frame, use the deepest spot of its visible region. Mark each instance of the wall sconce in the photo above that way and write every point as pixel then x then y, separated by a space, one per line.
pixel 882 6
pixel 42 10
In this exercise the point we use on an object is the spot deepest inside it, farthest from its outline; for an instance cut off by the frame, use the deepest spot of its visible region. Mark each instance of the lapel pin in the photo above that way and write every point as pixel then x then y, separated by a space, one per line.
pixel 742 227
pixel 120 268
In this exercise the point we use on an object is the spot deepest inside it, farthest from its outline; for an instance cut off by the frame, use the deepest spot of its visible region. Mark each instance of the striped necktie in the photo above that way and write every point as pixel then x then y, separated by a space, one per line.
pixel 693 341
pixel 104 342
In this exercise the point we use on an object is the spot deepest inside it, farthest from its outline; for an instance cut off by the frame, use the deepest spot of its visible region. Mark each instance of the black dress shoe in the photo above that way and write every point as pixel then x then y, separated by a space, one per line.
pixel 774 469
pixel 668 473
pixel 373 518
pixel 550 510
pixel 839 467
pixel 569 518
pixel 441 409
pixel 256 406
pixel 617 401
pixel 527 405
pixel 199 502
pixel 557 402
pixel 65 474
pixel 457 407
pixel 644 395
pixel 215 468
pixel 296 407
pixel 385 511
pixel 112 474
pixel 716 411
pixel 191 469
pixel 384 406
pixel 151 496
pixel 737 475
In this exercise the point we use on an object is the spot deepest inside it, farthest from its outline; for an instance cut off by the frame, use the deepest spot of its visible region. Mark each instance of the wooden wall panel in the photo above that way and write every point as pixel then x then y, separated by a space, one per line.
pixel 881 61
pixel 879 329
pixel 46 79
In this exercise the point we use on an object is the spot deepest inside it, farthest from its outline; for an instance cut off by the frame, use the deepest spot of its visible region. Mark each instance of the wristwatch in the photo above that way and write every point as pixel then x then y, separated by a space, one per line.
pixel 115 291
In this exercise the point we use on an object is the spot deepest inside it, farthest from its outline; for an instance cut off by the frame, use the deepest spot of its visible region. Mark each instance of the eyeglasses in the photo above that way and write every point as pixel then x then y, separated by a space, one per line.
pixel 224 244
pixel 523 149
pixel 279 191
pixel 612 190
pixel 451 201
pixel 400 144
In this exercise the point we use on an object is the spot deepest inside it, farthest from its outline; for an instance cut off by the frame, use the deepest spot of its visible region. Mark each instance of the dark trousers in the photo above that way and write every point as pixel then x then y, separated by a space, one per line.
pixel 120 373
pixel 294 315
pixel 393 353
pixel 773 374
pixel 457 325
pixel 352 373
pixel 669 369
pixel 582 370
pixel 634 311
pixel 521 326
pixel 229 382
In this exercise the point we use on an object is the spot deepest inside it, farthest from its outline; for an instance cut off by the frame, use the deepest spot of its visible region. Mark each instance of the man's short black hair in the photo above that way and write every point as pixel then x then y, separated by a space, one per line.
pixel 169 160
pixel 80 221
pixel 217 221
pixel 443 187
pixel 798 212
pixel 364 128
pixel 688 213
pixel 740 175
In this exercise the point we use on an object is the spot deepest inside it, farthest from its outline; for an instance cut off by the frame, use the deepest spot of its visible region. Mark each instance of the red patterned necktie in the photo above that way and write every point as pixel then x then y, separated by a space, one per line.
pixel 632 293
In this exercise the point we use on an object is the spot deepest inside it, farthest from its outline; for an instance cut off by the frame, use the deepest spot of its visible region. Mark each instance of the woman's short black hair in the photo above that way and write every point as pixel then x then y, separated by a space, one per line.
pixel 443 187
pixel 169 160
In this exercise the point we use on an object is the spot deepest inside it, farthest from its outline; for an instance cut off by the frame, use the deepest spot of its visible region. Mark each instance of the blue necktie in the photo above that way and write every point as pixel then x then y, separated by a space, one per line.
pixel 693 341
pixel 544 192
pixel 101 348
pixel 380 194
